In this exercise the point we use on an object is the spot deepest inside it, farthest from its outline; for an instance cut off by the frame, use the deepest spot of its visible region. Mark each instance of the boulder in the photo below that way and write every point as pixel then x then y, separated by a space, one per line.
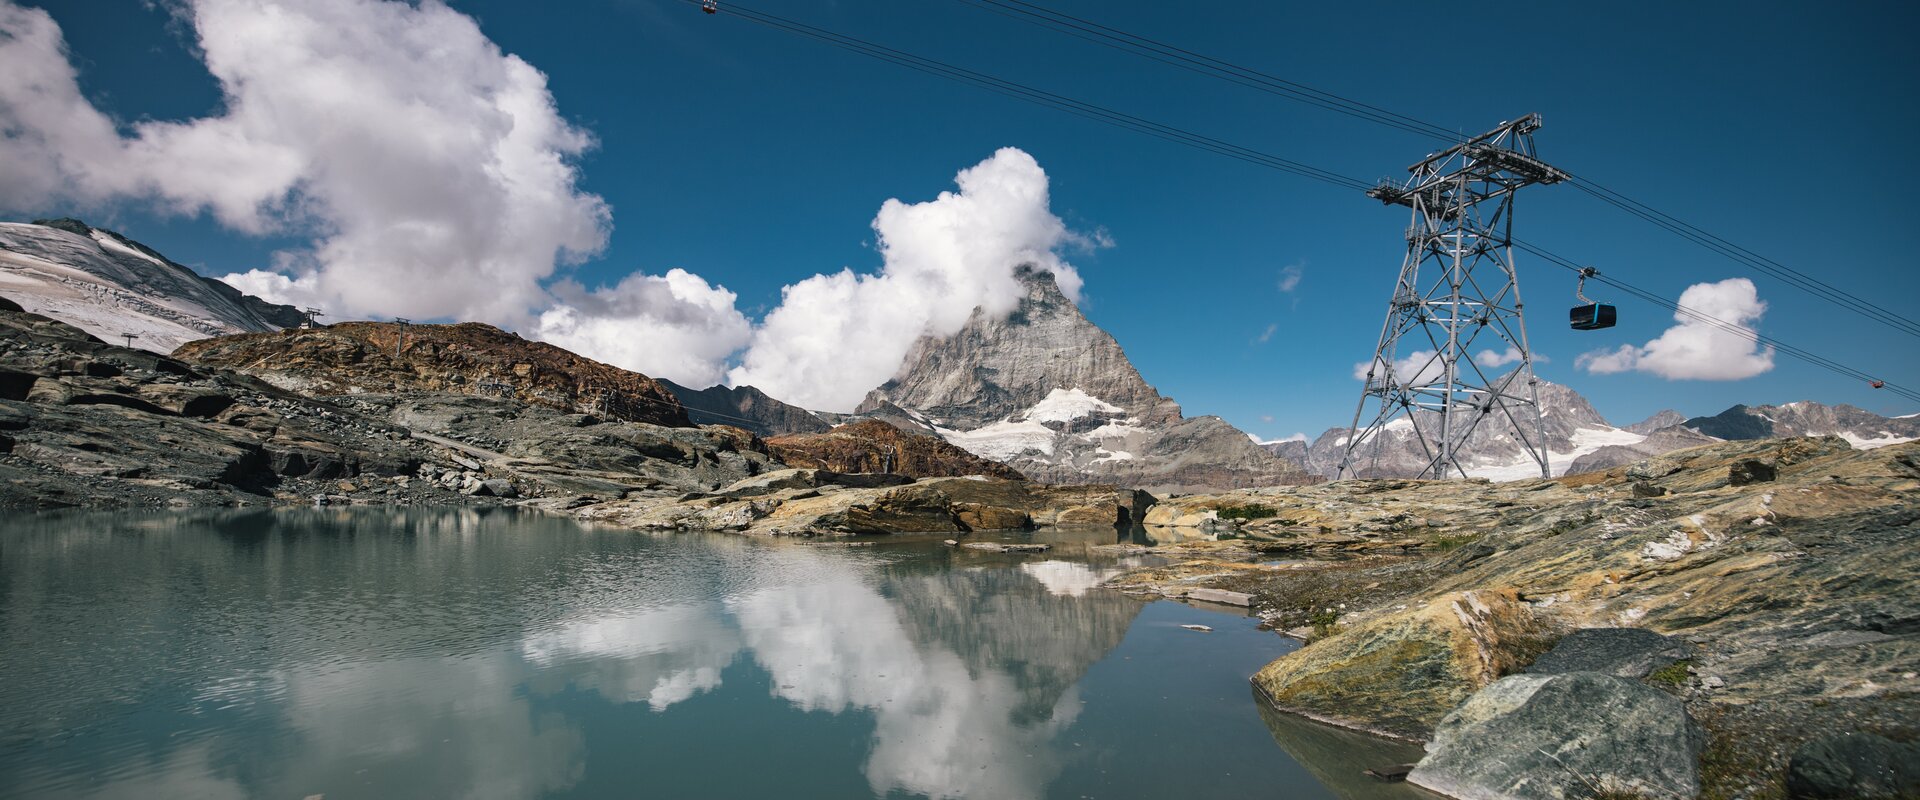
pixel 1623 652
pixel 498 487
pixel 187 401
pixel 1854 765
pixel 980 517
pixel 1553 737
pixel 1750 471
pixel 1400 674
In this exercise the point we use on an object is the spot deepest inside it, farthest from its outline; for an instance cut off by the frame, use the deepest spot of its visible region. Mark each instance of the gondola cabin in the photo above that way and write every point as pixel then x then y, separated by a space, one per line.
pixel 1591 317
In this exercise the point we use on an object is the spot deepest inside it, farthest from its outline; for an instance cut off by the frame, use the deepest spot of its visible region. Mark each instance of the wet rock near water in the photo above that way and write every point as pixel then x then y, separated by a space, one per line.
pixel 1552 737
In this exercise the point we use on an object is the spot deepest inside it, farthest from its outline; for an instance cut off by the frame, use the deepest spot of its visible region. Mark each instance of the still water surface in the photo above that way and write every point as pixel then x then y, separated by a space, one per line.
pixel 499 654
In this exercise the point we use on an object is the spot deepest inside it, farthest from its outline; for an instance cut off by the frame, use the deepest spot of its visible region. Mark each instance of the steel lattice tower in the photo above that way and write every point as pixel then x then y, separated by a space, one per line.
pixel 1462 233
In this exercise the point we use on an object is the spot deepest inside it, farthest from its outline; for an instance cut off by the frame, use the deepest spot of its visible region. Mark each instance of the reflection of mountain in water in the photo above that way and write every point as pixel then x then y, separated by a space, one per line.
pixel 422 651
pixel 1009 621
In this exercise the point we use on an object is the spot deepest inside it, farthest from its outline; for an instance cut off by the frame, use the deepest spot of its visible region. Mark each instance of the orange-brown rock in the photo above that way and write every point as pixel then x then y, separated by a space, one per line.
pixel 467 358
pixel 875 446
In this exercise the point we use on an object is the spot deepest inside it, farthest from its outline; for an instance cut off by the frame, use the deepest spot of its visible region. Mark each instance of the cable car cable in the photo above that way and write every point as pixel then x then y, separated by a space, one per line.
pixel 1191 61
pixel 1220 147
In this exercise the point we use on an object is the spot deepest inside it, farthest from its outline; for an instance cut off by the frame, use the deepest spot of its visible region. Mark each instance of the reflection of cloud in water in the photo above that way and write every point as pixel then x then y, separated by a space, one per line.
pixel 1068 578
pixel 661 655
pixel 940 730
pixel 427 727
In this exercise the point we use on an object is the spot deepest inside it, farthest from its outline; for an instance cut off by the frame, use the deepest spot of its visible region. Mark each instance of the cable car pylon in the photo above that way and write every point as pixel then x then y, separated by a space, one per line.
pixel 1462 202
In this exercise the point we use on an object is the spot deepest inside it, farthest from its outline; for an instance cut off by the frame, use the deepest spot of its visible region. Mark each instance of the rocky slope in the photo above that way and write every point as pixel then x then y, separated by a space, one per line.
pixel 1785 565
pixel 467 358
pixel 1860 427
pixel 875 446
pixel 90 424
pixel 745 407
pixel 1049 393
pixel 108 285
pixel 1575 431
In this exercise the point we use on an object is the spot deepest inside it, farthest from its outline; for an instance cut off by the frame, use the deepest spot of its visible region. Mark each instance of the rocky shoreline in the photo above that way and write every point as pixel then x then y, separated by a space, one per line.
pixel 1782 568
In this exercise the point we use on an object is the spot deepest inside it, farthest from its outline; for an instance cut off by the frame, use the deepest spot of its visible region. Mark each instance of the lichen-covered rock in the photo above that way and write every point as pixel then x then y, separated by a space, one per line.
pixel 1400 674
pixel 1564 736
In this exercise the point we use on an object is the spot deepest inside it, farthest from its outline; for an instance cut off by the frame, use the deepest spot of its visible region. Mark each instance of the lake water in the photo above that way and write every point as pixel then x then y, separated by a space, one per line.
pixel 500 654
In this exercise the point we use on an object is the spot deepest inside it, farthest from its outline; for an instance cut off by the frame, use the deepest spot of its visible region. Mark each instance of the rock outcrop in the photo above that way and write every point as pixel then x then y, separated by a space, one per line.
pixel 1049 393
pixel 467 358
pixel 745 407
pixel 1553 737
pixel 809 503
pixel 109 285
pixel 875 446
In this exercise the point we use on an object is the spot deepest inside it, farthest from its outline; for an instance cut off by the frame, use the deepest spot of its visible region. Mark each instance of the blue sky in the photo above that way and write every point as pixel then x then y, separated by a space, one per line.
pixel 755 159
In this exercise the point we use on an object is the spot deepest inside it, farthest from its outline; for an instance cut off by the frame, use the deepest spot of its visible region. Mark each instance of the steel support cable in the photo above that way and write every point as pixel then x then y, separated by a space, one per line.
pixel 1191 61
pixel 1045 98
pixel 1198 141
pixel 1202 64
pixel 1729 327
pixel 1793 277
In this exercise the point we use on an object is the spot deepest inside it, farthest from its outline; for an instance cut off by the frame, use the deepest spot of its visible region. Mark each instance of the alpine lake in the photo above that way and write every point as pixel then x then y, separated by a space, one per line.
pixel 496 653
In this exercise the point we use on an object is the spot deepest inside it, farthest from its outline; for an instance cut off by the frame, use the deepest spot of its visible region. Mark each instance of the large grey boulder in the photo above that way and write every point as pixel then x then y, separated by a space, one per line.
pixel 1624 652
pixel 1854 765
pixel 1562 736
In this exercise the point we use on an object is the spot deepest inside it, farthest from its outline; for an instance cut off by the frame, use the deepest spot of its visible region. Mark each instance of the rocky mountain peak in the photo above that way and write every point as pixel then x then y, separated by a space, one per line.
pixel 1664 419
pixel 997 367
pixel 1048 392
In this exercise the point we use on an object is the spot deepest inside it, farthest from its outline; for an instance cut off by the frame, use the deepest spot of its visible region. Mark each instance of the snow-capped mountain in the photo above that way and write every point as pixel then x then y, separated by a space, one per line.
pixel 1051 394
pixel 110 286
pixel 1864 429
pixel 1575 432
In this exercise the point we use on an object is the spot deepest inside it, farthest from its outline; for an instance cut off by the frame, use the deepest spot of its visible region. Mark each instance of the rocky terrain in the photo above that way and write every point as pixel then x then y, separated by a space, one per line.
pixel 1781 570
pixel 110 285
pixel 875 446
pixel 469 358
pixel 87 423
pixel 1052 395
pixel 745 407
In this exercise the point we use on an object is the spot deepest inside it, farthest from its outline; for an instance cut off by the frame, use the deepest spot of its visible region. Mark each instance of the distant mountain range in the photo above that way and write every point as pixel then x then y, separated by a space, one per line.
pixel 109 285
pixel 1042 390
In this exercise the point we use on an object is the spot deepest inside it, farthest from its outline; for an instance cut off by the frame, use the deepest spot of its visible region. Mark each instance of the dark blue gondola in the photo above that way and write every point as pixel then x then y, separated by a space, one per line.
pixel 1590 316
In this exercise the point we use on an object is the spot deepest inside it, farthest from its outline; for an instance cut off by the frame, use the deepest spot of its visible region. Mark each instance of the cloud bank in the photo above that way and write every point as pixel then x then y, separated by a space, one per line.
pixel 835 337
pixel 434 177
pixel 1697 350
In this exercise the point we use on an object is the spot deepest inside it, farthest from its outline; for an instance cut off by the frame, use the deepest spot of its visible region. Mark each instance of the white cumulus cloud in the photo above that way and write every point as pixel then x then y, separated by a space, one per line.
pixel 431 171
pixel 1694 349
pixel 676 327
pixel 835 337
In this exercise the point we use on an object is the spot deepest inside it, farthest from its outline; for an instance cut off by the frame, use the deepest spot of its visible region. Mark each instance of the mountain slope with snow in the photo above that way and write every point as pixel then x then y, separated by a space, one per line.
pixel 109 286
pixel 1863 429
pixel 1574 433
